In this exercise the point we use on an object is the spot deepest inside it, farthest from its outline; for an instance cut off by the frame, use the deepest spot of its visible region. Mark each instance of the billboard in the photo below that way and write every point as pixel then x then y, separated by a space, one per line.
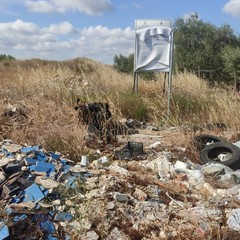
pixel 153 50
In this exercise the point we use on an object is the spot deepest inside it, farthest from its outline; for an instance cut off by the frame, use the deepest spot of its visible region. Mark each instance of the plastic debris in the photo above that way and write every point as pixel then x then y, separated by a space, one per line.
pixel 57 198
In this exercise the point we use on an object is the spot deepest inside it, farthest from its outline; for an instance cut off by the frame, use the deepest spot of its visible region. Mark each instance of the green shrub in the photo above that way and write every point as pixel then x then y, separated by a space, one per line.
pixel 188 106
pixel 133 106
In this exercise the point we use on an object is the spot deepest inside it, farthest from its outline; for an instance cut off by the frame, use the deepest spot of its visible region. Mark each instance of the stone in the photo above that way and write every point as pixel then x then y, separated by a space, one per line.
pixel 234 220
pixel 2 177
pixel 120 197
pixel 140 195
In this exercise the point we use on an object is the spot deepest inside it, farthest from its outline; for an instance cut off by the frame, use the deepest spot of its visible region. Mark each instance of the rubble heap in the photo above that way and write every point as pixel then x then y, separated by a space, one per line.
pixel 156 196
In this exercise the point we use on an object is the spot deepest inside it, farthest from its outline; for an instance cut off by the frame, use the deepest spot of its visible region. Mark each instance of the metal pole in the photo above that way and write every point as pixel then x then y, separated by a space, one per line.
pixel 135 83
pixel 136 89
pixel 170 76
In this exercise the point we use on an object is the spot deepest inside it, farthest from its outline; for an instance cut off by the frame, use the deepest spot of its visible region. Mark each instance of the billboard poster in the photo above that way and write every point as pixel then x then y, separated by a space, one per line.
pixel 153 40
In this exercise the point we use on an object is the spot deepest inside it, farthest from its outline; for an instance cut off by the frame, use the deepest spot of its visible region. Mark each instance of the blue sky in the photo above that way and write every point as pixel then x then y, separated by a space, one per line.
pixel 96 29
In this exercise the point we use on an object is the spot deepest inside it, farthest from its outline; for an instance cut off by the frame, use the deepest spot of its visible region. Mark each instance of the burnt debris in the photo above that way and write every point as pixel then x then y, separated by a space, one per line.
pixel 97 117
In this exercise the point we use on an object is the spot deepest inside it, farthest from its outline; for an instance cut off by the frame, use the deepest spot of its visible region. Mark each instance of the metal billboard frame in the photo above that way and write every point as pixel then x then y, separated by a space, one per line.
pixel 145 23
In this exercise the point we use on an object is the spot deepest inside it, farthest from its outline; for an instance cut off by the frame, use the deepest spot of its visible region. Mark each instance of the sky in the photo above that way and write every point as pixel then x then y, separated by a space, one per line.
pixel 96 29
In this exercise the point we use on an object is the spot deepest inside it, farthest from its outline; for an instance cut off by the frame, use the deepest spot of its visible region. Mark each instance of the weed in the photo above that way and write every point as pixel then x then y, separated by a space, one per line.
pixel 133 106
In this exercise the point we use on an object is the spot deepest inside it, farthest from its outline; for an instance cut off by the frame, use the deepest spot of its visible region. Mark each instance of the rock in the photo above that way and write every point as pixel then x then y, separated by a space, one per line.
pixel 215 169
pixel 234 220
pixel 95 193
pixel 110 206
pixel 116 234
pixel 154 145
pixel 118 169
pixel 161 166
pixel 140 195
pixel 2 177
pixel 120 197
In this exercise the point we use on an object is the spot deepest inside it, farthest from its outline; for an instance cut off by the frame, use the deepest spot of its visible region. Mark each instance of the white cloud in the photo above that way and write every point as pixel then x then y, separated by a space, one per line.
pixel 62 41
pixel 40 6
pixel 64 28
pixel 232 7
pixel 18 27
pixel 89 7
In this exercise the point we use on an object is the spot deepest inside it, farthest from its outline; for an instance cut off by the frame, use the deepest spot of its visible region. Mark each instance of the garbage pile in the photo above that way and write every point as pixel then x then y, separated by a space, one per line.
pixel 160 196
pixel 28 177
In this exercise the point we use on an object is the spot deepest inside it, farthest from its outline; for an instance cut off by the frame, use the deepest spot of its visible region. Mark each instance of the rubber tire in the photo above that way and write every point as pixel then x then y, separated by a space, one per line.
pixel 211 151
pixel 201 141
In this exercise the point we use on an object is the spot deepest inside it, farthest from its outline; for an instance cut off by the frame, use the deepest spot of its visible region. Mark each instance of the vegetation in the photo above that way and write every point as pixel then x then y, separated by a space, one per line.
pixel 6 57
pixel 49 90
pixel 201 48
pixel 126 65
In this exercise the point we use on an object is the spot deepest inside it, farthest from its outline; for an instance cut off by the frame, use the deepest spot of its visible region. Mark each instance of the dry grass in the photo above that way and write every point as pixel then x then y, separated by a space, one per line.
pixel 49 90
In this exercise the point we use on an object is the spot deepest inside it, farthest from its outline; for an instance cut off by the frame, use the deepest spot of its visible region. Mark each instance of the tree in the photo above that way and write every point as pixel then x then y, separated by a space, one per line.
pixel 126 65
pixel 6 57
pixel 199 45
pixel 231 59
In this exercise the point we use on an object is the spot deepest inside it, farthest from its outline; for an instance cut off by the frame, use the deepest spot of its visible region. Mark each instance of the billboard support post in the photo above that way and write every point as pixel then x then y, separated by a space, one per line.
pixel 153 50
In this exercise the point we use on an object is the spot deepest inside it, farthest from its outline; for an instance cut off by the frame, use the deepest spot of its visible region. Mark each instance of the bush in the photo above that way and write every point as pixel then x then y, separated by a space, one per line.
pixel 133 106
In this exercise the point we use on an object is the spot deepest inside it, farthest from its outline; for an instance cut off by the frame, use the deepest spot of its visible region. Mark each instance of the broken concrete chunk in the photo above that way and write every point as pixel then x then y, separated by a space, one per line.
pixel 120 197
pixel 234 220
pixel 161 166
pixel 91 235
pixel 114 167
pixel 110 206
pixel 116 234
pixel 13 148
pixel 95 193
pixel 140 195
pixel 2 177
pixel 46 183
pixel 215 169
pixel 155 144
pixel 5 161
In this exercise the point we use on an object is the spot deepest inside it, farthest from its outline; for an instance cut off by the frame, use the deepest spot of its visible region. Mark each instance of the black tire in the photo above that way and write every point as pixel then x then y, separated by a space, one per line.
pixel 202 140
pixel 211 152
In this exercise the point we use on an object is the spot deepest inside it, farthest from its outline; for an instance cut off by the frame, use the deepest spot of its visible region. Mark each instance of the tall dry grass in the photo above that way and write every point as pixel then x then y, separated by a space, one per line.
pixel 49 89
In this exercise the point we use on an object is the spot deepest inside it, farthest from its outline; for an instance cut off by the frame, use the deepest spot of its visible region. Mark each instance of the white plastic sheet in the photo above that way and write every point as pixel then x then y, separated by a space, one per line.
pixel 153 46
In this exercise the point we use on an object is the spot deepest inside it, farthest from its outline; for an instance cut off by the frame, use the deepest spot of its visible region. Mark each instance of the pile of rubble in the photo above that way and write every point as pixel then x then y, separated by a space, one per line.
pixel 150 195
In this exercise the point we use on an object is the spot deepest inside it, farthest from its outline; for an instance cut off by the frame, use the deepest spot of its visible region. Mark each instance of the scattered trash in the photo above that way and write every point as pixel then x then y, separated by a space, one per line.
pixel 132 150
pixel 101 125
pixel 205 139
pixel 153 193
pixel 222 152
